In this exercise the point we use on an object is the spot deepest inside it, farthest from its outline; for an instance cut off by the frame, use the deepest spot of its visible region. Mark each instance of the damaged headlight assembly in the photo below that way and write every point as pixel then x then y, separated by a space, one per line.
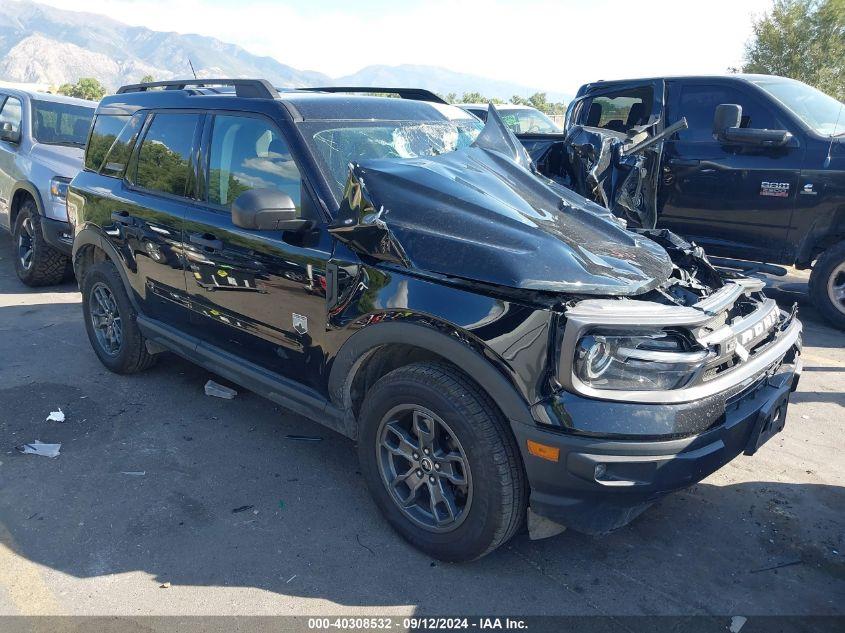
pixel 635 361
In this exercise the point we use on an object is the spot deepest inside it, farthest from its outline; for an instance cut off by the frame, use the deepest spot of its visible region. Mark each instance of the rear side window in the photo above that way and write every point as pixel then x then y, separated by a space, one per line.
pixel 248 153
pixel 103 135
pixel 164 158
pixel 698 104
pixel 60 123
pixel 620 111
pixel 11 113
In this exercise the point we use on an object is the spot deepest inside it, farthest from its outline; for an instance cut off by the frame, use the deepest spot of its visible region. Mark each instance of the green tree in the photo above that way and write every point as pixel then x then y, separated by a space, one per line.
pixel 473 97
pixel 84 88
pixel 538 100
pixel 147 79
pixel 804 40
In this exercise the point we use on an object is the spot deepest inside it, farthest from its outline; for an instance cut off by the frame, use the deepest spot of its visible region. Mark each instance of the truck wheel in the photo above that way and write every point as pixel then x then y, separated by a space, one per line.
pixel 441 462
pixel 36 262
pixel 110 321
pixel 827 285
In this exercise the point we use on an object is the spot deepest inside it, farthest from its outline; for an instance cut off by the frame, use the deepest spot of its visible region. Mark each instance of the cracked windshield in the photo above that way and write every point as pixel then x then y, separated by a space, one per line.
pixel 338 146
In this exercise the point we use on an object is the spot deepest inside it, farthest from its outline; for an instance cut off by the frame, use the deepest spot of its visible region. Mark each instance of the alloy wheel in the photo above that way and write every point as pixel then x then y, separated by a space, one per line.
pixel 105 318
pixel 26 243
pixel 836 287
pixel 424 468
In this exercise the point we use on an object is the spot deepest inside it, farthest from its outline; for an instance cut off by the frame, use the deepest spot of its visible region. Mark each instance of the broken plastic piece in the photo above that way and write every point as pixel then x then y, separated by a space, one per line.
pixel 38 448
pixel 219 391
pixel 56 416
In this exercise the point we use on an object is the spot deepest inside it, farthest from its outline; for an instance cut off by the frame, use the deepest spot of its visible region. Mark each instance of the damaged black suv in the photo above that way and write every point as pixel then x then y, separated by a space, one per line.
pixel 499 347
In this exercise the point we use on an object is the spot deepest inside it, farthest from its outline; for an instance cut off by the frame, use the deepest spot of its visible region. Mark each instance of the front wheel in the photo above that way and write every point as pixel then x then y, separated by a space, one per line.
pixel 36 262
pixel 441 462
pixel 827 285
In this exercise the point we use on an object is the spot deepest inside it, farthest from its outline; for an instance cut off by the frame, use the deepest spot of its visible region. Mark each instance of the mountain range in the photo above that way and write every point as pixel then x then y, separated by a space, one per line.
pixel 40 44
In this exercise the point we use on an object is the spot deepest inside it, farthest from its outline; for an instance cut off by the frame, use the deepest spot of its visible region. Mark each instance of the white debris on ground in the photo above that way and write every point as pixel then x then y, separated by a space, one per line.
pixel 219 391
pixel 56 416
pixel 39 448
pixel 737 622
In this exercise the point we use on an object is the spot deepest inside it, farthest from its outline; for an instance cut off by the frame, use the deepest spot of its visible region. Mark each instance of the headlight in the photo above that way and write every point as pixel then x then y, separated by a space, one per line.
pixel 636 361
pixel 58 188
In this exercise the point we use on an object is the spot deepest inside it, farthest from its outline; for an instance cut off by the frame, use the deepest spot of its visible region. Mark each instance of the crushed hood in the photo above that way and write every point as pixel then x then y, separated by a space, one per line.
pixel 481 213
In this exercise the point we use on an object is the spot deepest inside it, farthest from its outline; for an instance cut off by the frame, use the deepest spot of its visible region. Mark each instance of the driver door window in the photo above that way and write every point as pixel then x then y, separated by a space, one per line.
pixel 698 104
pixel 247 153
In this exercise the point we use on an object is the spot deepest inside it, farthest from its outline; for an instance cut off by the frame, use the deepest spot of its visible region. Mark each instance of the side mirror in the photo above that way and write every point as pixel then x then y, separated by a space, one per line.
pixel 728 115
pixel 9 134
pixel 266 210
pixel 726 129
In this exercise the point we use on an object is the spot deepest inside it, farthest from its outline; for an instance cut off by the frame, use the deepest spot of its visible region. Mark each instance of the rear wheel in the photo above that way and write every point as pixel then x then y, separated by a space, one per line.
pixel 441 462
pixel 36 262
pixel 110 321
pixel 827 285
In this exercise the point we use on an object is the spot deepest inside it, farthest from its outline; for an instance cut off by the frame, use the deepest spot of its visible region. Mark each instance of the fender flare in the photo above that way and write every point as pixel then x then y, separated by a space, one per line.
pixel 358 347
pixel 31 189
pixel 89 236
pixel 834 224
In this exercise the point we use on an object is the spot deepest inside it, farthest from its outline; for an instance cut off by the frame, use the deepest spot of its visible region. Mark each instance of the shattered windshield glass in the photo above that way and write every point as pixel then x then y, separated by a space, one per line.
pixel 337 145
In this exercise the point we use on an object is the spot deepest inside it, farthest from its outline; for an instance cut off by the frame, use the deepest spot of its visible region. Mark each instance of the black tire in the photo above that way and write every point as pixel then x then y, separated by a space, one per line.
pixel 829 271
pixel 130 354
pixel 36 262
pixel 499 492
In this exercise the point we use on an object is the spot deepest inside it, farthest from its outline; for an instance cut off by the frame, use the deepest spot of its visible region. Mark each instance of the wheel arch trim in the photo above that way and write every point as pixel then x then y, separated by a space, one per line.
pixel 830 229
pixel 32 190
pixel 89 236
pixel 358 348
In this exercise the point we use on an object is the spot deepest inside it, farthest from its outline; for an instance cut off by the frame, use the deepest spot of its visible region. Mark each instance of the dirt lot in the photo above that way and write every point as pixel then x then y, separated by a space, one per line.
pixel 80 536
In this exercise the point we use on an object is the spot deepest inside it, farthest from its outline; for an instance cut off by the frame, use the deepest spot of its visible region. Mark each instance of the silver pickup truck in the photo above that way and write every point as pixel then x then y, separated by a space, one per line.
pixel 42 139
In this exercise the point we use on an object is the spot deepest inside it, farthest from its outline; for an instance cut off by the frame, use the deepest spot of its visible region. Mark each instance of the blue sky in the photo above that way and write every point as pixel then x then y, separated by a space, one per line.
pixel 553 44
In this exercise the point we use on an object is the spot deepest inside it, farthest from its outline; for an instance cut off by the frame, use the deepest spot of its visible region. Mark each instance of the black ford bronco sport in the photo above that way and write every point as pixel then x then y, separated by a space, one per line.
pixel 499 347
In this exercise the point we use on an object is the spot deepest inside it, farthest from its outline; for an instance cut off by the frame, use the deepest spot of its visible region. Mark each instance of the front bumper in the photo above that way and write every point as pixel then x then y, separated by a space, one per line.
pixel 57 234
pixel 600 483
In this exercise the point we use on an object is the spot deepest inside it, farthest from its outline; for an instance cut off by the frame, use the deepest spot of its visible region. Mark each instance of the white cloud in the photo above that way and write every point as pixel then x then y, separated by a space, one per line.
pixel 554 45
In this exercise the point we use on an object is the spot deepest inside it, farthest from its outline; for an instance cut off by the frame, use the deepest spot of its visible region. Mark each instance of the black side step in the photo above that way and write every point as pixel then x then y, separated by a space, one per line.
pixel 289 394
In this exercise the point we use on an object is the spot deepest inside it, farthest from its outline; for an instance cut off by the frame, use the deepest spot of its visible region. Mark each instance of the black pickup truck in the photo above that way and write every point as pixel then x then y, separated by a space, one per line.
pixel 756 172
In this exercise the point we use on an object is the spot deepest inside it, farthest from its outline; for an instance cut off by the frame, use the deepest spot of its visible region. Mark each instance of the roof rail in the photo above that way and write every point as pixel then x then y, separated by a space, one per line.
pixel 414 94
pixel 250 88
